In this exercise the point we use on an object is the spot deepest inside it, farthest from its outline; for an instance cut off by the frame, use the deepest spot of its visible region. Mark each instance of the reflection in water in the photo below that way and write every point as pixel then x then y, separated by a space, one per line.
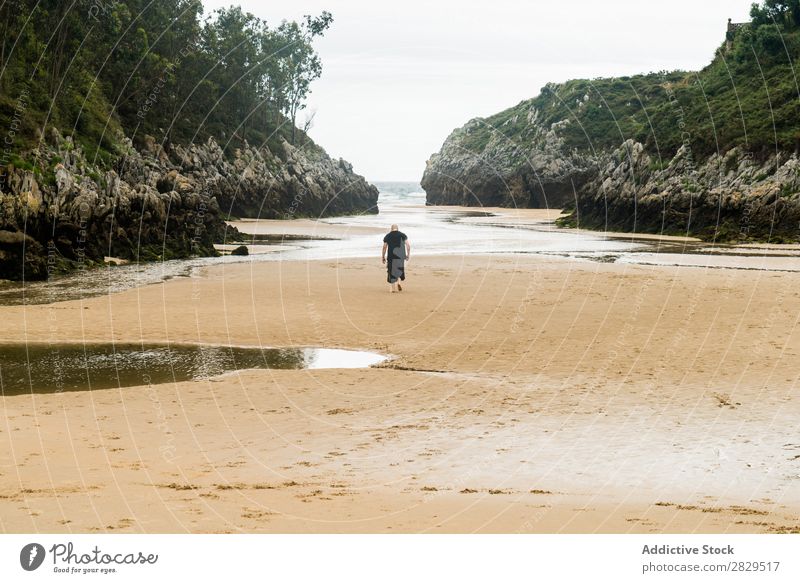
pixel 42 368
pixel 336 358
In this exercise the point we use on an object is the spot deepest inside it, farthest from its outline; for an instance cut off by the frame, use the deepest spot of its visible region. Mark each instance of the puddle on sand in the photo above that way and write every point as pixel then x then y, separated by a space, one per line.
pixel 45 368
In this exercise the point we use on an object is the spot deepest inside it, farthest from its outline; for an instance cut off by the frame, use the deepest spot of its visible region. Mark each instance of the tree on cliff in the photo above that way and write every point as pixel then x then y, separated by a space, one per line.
pixel 299 63
pixel 158 68
pixel 785 12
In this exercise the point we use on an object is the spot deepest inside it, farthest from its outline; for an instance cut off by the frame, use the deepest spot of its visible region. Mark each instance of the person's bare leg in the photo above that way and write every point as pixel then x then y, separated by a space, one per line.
pixel 399 286
pixel 394 288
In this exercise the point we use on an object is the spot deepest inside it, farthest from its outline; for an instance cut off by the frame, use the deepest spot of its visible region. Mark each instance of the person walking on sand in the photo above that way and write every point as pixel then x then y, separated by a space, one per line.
pixel 399 251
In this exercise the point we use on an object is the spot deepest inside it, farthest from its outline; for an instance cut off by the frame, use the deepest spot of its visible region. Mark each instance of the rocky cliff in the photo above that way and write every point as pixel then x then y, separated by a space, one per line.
pixel 480 165
pixel 711 153
pixel 257 183
pixel 729 197
pixel 157 203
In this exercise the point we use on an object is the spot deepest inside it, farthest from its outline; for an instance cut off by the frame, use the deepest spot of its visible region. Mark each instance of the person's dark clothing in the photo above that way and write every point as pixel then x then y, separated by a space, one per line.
pixel 395 256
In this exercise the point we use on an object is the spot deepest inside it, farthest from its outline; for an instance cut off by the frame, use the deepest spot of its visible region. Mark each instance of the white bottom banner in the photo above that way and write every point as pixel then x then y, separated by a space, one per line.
pixel 354 558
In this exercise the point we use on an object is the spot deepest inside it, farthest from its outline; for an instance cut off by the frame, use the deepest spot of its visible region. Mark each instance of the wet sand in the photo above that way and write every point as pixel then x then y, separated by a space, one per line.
pixel 525 394
pixel 301 227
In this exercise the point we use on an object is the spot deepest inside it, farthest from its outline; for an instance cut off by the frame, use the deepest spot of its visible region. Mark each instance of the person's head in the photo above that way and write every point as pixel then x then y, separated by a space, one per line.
pixel 394 227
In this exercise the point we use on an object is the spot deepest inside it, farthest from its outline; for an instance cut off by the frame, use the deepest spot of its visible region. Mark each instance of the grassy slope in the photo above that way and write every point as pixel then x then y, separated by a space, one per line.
pixel 747 96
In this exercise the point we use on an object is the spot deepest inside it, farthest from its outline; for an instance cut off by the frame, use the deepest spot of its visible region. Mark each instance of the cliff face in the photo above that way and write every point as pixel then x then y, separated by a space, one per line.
pixel 728 197
pixel 156 204
pixel 259 184
pixel 711 153
pixel 478 166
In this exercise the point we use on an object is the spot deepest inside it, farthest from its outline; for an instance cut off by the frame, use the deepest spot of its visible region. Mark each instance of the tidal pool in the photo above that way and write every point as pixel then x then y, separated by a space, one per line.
pixel 55 368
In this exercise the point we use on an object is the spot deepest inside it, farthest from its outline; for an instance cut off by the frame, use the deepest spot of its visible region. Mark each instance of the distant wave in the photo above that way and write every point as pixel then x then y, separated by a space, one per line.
pixel 400 189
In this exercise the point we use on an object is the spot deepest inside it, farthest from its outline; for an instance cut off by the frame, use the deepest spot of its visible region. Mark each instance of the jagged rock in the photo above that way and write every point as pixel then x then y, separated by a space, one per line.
pixel 241 250
pixel 729 197
pixel 259 184
pixel 531 170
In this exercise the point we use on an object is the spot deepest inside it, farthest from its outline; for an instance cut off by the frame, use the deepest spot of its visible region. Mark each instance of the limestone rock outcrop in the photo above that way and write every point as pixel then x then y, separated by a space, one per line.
pixel 727 197
pixel 483 166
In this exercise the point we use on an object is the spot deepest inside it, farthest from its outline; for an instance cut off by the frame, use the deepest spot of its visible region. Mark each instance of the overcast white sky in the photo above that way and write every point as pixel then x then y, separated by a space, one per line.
pixel 399 76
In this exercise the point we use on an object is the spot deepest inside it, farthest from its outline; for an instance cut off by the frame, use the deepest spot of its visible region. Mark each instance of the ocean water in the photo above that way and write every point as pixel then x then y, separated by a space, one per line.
pixel 431 231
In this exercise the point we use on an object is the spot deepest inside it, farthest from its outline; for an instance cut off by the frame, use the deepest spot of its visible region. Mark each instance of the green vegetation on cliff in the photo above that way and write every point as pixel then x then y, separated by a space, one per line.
pixel 748 96
pixel 91 69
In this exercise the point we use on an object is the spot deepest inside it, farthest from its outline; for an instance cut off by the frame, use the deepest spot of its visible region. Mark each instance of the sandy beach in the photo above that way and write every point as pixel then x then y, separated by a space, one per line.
pixel 524 394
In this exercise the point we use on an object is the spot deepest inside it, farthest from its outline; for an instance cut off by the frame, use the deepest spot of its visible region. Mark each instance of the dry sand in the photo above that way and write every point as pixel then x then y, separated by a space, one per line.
pixel 525 395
